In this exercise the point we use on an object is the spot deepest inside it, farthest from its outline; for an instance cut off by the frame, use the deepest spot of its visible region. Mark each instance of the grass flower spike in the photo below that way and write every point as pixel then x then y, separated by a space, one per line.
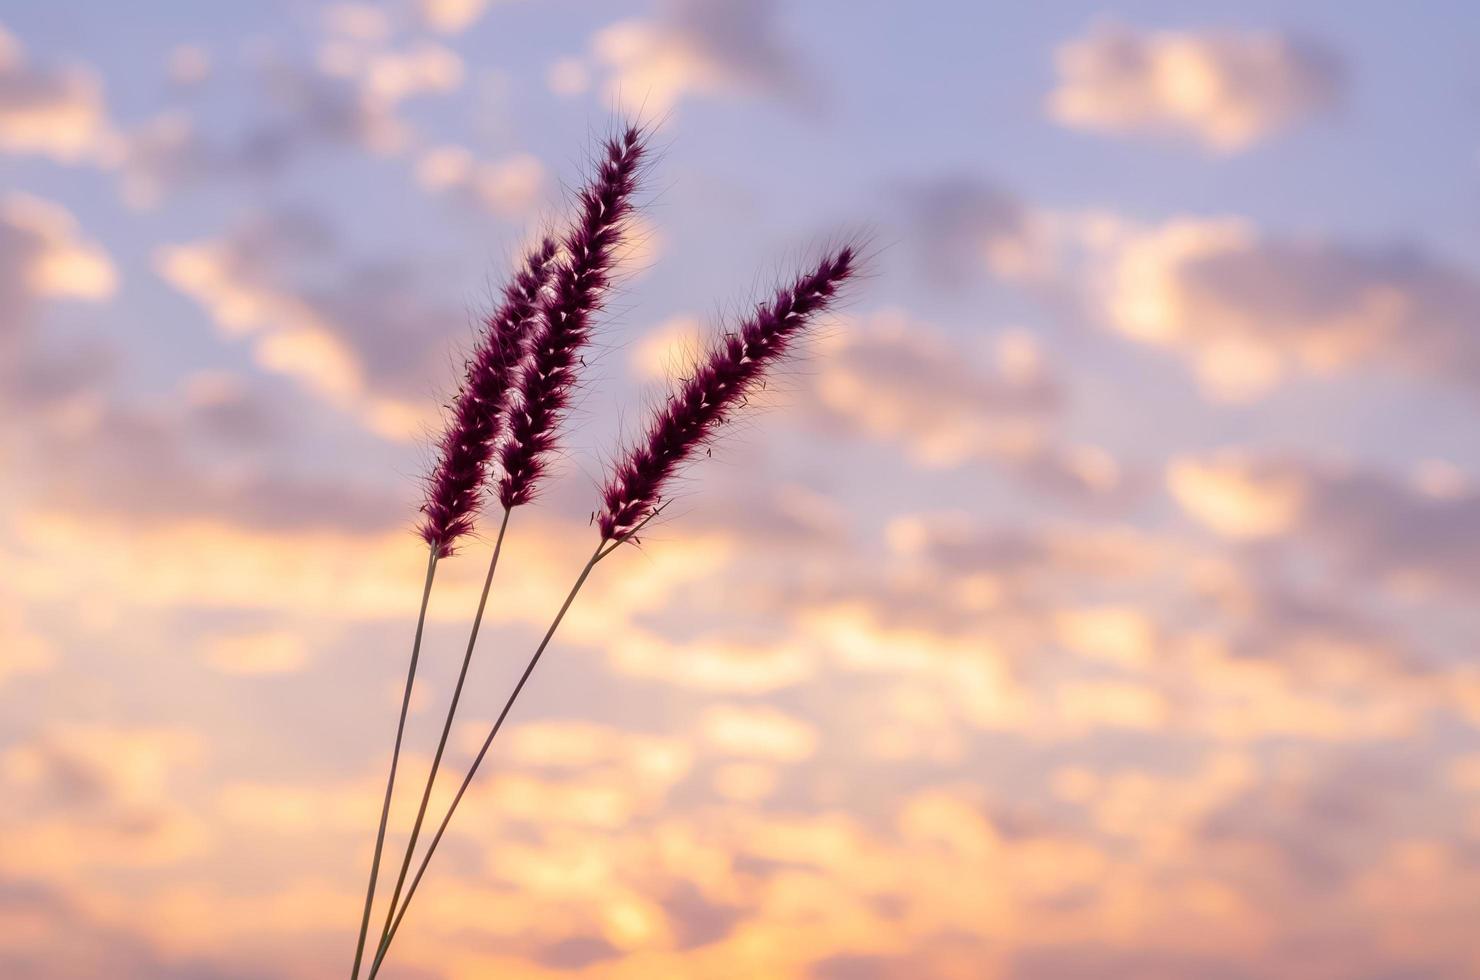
pixel 564 322
pixel 508 416
pixel 702 403
pixel 632 497
pixel 518 382
pixel 453 490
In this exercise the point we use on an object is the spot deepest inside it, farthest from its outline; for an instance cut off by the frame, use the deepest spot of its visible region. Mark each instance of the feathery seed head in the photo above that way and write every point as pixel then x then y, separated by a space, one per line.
pixel 563 323
pixel 478 412
pixel 702 402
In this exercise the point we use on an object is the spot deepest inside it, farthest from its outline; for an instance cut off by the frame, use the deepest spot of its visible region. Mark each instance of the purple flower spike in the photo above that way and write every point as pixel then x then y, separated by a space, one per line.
pixel 564 322
pixel 702 403
pixel 478 413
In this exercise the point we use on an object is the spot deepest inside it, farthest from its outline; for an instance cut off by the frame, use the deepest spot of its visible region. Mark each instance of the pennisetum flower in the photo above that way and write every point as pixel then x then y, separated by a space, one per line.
pixel 453 490
pixel 699 407
pixel 542 333
pixel 456 484
pixel 686 422
pixel 564 322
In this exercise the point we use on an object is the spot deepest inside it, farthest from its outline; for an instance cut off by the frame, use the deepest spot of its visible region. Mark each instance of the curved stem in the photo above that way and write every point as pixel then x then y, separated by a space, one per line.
pixel 385 942
pixel 426 794
pixel 390 783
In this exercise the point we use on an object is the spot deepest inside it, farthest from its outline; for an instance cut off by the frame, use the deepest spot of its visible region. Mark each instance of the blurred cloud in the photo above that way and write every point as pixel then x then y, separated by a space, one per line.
pixel 963 226
pixel 106 792
pixel 1225 89
pixel 894 380
pixel 360 335
pixel 1376 528
pixel 1249 309
pixel 43 254
pixel 509 188
pixel 391 76
pixel 902 381
pixel 275 652
pixel 350 100
pixel 56 112
pixel 758 732
pixel 703 48
pixel 189 65
pixel 26 652
pixel 451 16
pixel 162 466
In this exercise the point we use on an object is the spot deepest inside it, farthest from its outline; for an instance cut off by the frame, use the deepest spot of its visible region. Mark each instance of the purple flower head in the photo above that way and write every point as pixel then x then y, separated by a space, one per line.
pixel 703 401
pixel 478 412
pixel 563 324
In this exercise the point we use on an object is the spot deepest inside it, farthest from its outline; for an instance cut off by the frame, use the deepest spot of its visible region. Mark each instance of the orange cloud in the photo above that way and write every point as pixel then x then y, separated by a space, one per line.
pixel 700 48
pixel 53 258
pixel 509 188
pixel 1227 90
pixel 1249 311
pixel 53 112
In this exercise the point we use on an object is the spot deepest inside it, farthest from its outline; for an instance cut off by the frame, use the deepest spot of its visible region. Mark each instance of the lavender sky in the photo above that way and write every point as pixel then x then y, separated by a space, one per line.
pixel 1095 597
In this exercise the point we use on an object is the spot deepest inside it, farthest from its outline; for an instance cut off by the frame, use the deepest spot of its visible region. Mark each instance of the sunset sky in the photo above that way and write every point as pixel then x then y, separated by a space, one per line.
pixel 1098 595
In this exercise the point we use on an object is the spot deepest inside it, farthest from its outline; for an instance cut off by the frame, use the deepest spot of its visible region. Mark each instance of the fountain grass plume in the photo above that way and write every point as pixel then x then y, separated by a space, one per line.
pixel 453 489
pixel 518 391
pixel 563 324
pixel 720 381
pixel 633 496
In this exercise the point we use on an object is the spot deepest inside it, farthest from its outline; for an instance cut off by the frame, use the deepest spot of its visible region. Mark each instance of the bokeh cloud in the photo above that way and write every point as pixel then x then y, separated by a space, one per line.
pixel 1225 89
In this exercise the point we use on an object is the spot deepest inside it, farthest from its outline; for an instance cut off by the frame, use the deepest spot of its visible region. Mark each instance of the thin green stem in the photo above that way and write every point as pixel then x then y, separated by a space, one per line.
pixel 385 943
pixel 426 794
pixel 390 783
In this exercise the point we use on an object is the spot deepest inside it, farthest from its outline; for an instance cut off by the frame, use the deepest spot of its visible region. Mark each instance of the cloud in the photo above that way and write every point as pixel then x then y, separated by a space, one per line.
pixel 758 732
pixel 189 65
pixel 55 932
pixel 360 335
pixel 1373 527
pixel 963 226
pixel 955 544
pixel 95 796
pixel 212 450
pixel 26 652
pixel 273 652
pixel 53 112
pixel 700 48
pixel 351 100
pixel 387 76
pixel 43 255
pixel 895 381
pixel 510 188
pixel 359 21
pixel 194 452
pixel 1052 633
pixel 1324 824
pixel 451 16
pixel 568 77
pixel 1240 496
pixel 1250 310
pixel 1227 90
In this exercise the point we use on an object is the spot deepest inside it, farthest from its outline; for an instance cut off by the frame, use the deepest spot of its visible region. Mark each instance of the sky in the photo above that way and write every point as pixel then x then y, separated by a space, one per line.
pixel 1094 595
